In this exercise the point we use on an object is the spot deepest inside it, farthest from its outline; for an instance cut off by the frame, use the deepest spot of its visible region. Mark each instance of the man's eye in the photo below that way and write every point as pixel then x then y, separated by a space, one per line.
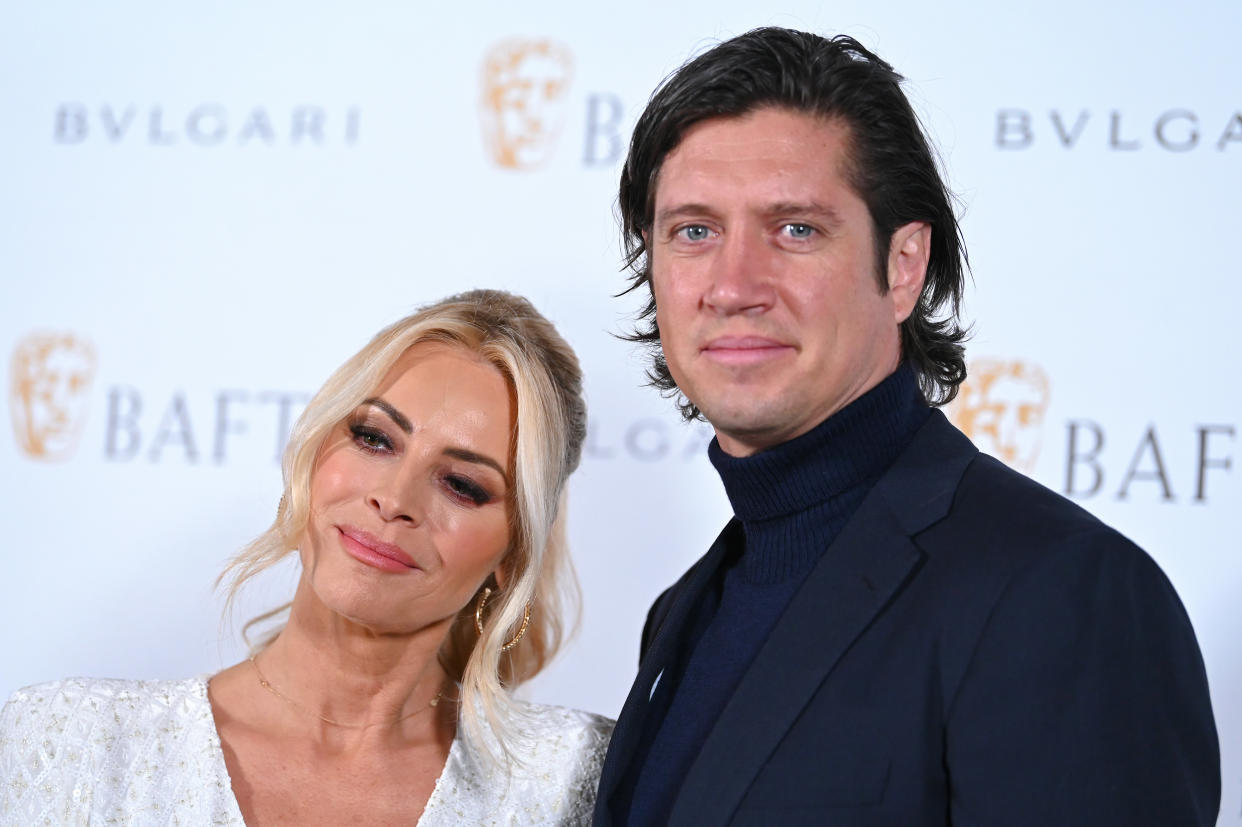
pixel 695 232
pixel 799 231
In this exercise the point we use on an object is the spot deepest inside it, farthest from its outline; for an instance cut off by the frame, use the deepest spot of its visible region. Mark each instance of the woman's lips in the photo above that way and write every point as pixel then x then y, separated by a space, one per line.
pixel 745 350
pixel 366 548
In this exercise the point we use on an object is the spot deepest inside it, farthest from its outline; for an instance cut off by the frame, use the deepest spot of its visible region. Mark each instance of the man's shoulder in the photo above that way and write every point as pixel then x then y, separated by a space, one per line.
pixel 710 561
pixel 712 558
pixel 991 526
pixel 996 500
pixel 983 495
pixel 1006 535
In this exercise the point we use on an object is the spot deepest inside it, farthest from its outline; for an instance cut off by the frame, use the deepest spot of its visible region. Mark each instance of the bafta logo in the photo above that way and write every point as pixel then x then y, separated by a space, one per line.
pixel 522 102
pixel 1001 407
pixel 48 389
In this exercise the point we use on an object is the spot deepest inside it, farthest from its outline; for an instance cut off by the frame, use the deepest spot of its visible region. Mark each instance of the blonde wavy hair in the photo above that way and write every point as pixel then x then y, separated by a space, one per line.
pixel 543 374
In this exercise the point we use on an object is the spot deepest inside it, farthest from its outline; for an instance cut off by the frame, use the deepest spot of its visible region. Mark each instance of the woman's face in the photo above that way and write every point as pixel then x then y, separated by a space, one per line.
pixel 409 496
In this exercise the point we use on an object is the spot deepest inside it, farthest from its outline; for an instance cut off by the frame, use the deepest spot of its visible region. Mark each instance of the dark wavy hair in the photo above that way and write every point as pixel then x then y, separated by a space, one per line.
pixel 889 163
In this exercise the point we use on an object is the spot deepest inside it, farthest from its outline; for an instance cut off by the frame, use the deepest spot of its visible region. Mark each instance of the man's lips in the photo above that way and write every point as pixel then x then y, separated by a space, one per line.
pixel 367 548
pixel 744 350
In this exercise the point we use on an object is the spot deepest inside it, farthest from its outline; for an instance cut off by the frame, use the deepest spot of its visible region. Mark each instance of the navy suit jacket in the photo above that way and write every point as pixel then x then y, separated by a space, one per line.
pixel 973 649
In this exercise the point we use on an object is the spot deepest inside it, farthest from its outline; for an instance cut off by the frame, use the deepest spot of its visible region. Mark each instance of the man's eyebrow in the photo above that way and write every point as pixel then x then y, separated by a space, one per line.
pixel 811 209
pixel 682 211
pixel 472 456
pixel 790 209
pixel 395 415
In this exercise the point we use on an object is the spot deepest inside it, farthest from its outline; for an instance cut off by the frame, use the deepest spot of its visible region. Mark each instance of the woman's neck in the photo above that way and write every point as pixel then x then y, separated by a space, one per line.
pixel 332 720
pixel 349 686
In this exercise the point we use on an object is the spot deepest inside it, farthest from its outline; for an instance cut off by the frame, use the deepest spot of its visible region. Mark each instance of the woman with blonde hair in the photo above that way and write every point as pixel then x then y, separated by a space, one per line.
pixel 424 494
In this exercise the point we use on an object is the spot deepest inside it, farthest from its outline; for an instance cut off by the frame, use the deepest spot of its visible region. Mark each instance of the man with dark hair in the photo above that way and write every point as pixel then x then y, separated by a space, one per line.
pixel 894 629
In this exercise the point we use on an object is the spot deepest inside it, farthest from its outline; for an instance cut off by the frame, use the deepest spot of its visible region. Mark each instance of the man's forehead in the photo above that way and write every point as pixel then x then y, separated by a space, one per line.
pixel 778 150
pixel 727 135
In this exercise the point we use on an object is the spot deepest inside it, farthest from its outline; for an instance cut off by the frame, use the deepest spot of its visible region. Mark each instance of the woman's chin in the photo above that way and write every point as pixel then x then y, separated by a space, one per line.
pixel 368 617
pixel 353 599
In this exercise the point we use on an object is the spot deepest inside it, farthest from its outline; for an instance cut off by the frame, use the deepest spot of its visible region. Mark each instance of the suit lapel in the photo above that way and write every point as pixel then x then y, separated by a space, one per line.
pixel 863 570
pixel 661 654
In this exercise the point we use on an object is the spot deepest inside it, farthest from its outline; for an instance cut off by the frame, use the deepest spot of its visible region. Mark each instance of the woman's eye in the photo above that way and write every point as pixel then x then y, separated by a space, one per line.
pixel 370 439
pixel 467 489
pixel 799 231
pixel 694 232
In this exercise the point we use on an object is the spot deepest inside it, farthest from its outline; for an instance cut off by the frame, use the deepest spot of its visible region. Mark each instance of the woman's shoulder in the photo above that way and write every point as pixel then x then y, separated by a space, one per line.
pixel 102 699
pixel 73 716
pixel 559 759
pixel 110 687
pixel 551 778
pixel 546 722
pixel 108 750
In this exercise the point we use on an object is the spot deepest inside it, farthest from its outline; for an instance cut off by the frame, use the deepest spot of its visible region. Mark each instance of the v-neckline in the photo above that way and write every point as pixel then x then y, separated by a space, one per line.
pixel 222 767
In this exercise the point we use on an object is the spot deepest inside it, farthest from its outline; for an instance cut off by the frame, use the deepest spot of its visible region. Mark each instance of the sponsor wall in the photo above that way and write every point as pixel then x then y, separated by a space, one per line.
pixel 205 211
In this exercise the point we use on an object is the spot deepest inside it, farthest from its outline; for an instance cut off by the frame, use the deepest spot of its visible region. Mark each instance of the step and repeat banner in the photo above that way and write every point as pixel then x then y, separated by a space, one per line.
pixel 203 211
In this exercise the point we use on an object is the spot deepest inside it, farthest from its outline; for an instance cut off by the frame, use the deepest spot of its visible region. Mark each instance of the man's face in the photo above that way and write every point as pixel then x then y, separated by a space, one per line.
pixel 763 267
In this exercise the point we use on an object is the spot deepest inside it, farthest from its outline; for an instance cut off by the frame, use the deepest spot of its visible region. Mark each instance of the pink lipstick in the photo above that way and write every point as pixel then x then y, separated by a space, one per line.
pixel 367 548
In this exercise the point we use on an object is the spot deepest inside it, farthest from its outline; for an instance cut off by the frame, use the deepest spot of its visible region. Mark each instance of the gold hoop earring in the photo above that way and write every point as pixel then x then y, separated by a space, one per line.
pixel 478 620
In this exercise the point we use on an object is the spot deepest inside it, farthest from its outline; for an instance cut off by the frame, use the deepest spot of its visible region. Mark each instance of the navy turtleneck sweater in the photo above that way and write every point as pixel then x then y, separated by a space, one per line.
pixel 792 501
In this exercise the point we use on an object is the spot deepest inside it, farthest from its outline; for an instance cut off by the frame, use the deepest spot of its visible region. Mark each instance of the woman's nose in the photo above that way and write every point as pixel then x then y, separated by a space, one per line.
pixel 395 498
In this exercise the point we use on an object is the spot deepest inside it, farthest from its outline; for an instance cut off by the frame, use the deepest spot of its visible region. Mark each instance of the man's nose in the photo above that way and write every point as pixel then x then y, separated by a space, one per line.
pixel 742 277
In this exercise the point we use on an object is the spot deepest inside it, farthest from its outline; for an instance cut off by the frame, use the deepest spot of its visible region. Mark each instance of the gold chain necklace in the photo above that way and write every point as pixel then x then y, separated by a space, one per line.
pixel 263 682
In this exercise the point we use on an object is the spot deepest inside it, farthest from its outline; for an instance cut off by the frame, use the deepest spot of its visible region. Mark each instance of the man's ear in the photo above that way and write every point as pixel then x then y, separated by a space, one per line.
pixel 908 253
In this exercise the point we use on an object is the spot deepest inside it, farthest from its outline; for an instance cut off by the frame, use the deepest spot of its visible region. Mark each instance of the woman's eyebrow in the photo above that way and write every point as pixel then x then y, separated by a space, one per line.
pixel 395 415
pixel 481 459
pixel 459 453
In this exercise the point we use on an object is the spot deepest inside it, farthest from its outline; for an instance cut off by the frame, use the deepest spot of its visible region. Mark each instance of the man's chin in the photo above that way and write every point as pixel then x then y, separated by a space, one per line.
pixel 742 433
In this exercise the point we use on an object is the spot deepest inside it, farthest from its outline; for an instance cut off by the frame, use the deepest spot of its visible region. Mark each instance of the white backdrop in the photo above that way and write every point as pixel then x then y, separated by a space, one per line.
pixel 204 210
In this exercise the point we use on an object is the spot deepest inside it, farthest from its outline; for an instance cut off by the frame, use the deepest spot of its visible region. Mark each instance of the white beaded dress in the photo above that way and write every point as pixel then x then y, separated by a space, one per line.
pixel 83 751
